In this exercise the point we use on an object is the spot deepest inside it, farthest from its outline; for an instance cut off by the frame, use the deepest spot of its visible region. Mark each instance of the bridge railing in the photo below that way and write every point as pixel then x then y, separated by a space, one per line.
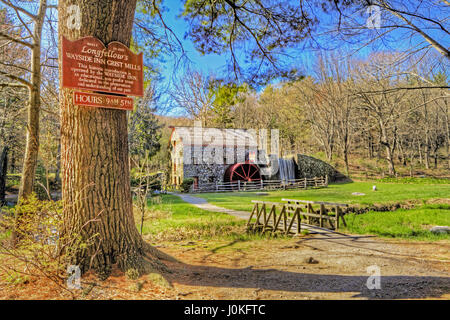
pixel 287 216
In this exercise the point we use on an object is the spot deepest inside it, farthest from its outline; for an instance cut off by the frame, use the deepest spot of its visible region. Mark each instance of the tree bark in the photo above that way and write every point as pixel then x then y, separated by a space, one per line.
pixel 388 148
pixel 34 106
pixel 3 172
pixel 96 189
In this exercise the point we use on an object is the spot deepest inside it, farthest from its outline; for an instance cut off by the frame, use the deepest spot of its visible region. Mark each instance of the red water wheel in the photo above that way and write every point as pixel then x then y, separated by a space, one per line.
pixel 243 172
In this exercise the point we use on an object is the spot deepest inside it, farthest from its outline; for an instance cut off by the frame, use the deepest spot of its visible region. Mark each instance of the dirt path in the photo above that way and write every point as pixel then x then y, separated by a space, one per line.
pixel 310 267
pixel 322 265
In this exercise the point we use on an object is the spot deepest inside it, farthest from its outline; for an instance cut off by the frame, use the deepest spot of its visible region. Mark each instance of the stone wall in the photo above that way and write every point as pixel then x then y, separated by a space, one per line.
pixel 309 167
pixel 206 173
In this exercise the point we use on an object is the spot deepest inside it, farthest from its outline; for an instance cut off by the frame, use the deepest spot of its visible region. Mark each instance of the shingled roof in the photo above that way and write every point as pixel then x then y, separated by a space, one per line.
pixel 195 136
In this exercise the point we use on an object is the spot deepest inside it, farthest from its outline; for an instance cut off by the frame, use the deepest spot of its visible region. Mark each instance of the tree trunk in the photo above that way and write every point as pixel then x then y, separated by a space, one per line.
pixel 94 157
pixel 419 148
pixel 13 161
pixel 34 106
pixel 58 166
pixel 387 146
pixel 347 170
pixel 3 172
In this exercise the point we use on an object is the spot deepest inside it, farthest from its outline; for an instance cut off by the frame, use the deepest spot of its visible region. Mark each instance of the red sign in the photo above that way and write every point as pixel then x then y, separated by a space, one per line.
pixel 102 101
pixel 88 64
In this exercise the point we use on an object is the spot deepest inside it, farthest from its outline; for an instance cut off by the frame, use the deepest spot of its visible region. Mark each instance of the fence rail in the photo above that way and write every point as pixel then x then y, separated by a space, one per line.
pixel 316 182
pixel 287 216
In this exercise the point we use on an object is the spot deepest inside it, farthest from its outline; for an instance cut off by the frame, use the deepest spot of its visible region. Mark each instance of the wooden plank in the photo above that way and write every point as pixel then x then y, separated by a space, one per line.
pixel 251 215
pixel 290 225
pixel 266 220
pixel 310 210
pixel 259 215
pixel 268 202
pixel 275 226
pixel 317 215
pixel 316 202
pixel 322 209
pixel 299 221
pixel 343 220
pixel 275 216
pixel 337 217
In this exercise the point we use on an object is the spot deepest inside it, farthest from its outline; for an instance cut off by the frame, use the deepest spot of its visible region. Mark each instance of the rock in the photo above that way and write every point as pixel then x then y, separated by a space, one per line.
pixel 309 167
pixel 374 188
pixel 440 230
pixel 261 194
pixel 358 194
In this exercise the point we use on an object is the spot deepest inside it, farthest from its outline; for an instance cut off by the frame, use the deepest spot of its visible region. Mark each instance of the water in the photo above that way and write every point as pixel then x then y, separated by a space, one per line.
pixel 286 169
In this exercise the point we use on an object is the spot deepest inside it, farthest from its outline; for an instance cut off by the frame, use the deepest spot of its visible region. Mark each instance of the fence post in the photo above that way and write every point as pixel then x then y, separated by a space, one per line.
pixel 217 187
pixel 306 183
pixel 262 184
pixel 322 209
pixel 239 185
pixel 337 217
pixel 326 180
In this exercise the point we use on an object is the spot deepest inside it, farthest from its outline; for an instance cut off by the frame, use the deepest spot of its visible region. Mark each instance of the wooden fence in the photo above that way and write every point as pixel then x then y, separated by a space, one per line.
pixel 316 182
pixel 287 216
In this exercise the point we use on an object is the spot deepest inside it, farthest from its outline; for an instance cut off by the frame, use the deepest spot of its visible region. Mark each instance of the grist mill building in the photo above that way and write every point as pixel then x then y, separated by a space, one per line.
pixel 212 155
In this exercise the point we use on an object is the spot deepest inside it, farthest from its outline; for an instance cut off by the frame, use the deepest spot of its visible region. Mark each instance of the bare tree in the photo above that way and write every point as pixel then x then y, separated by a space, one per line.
pixel 26 31
pixel 192 94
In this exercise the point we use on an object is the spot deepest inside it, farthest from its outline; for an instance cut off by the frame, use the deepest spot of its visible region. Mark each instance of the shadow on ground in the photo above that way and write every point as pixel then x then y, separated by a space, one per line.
pixel 392 287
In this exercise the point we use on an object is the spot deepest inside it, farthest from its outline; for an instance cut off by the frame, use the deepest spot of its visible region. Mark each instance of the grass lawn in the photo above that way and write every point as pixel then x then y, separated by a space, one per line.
pixel 411 224
pixel 342 193
pixel 174 220
pixel 405 224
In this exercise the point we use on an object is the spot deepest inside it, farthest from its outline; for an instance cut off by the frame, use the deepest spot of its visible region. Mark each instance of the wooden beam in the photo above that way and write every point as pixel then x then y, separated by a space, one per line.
pixel 316 202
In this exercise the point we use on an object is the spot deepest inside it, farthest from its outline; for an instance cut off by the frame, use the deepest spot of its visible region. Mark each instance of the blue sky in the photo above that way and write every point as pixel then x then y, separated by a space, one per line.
pixel 301 58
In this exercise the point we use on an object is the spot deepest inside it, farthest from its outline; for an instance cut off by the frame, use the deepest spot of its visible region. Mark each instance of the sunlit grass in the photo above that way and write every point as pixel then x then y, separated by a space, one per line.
pixel 411 224
pixel 174 220
pixel 386 193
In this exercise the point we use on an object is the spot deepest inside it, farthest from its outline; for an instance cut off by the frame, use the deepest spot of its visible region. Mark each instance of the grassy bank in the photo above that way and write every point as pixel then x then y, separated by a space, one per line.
pixel 411 224
pixel 403 224
pixel 175 220
pixel 386 193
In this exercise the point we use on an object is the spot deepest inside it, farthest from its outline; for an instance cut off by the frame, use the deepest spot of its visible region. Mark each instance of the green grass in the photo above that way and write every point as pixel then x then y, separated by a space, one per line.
pixel 342 193
pixel 414 180
pixel 404 224
pixel 411 224
pixel 174 220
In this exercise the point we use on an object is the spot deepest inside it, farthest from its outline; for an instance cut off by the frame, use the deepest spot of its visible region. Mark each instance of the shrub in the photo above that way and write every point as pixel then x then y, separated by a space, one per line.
pixel 33 244
pixel 186 185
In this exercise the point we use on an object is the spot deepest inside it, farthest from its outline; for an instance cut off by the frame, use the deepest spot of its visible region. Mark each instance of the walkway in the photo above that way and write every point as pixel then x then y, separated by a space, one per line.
pixel 205 205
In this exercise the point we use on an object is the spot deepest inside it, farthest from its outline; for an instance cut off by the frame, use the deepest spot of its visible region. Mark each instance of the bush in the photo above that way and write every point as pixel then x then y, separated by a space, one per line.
pixel 32 242
pixel 13 180
pixel 186 185
pixel 153 180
